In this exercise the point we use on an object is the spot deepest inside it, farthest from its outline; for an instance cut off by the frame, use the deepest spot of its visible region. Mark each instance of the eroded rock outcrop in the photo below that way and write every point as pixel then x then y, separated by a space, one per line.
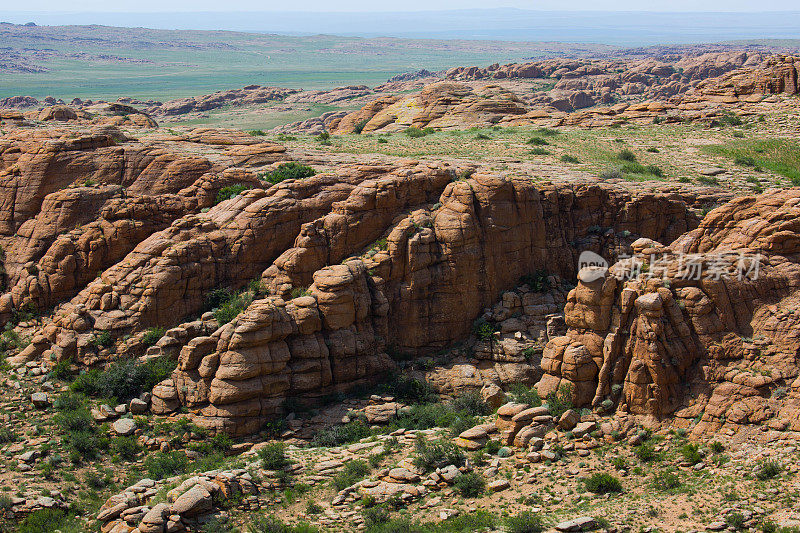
pixel 700 332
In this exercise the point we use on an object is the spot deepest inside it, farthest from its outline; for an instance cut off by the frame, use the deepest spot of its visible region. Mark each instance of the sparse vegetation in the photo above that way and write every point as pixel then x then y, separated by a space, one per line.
pixel 287 171
pixel 231 191
pixel 602 483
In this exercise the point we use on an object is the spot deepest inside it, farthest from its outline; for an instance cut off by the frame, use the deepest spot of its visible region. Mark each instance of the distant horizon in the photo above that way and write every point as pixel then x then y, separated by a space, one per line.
pixel 619 28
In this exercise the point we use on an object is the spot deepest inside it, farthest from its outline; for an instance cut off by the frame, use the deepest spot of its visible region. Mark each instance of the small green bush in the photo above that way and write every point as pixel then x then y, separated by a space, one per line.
pixel 231 308
pixel 626 155
pixel 126 448
pixel 484 330
pixel 539 281
pixel 471 403
pixel 666 480
pixel 61 370
pixel 430 455
pixel 647 453
pixel 231 191
pixel 691 453
pixel 708 180
pixel 538 141
pixel 341 434
pixel 166 464
pixel 273 456
pixel 124 379
pixel 411 390
pixel 539 151
pixel 353 472
pixel 470 485
pixel 416 133
pixel 523 394
pixel 47 521
pixel 152 336
pixel 271 524
pixel 525 522
pixel 560 402
pixel 569 159
pixel 358 127
pixel 287 171
pixel 602 483
pixel 767 470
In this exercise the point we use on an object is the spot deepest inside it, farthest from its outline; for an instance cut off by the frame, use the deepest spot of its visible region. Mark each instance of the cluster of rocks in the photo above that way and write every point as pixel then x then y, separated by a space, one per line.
pixel 588 93
pixel 191 502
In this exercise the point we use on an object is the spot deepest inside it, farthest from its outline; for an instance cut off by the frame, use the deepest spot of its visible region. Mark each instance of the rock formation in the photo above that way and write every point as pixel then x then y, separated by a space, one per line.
pixel 701 332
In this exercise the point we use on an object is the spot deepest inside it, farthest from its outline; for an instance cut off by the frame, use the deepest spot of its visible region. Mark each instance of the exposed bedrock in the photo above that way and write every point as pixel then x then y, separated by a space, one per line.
pixel 706 336
pixel 441 265
pixel 73 206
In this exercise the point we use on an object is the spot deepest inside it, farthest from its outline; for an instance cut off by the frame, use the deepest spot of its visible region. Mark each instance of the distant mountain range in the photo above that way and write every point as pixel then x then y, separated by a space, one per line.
pixel 618 28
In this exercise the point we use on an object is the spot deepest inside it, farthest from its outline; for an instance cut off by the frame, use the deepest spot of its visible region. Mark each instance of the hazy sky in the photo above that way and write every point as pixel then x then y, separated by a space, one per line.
pixel 406 5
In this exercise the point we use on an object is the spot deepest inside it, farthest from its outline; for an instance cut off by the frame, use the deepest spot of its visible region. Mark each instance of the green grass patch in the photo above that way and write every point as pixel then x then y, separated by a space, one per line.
pixel 780 156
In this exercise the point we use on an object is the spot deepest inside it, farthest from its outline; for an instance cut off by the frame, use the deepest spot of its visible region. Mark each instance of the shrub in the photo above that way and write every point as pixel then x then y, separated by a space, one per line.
pixel 358 127
pixel 626 155
pixel 735 520
pixel 375 515
pixel 547 132
pixel 341 434
pixel 730 120
pixel 431 415
pixel 430 455
pixel 522 394
pixel 708 180
pixel 538 141
pixel 46 521
pixel 231 308
pixel 716 447
pixel 353 472
pixel 611 174
pixel 767 470
pixel 539 281
pixel 103 339
pixel 602 483
pixel 647 453
pixel 560 402
pixel 273 456
pixel 483 330
pixel 691 453
pixel 231 191
pixel 152 336
pixel 666 480
pixel 126 448
pixel 415 132
pixel 410 390
pixel 7 435
pixel 482 137
pixel 271 524
pixel 653 150
pixel 471 403
pixel 61 370
pixel 166 464
pixel 124 379
pixel 470 485
pixel 525 522
pixel 539 151
pixel 745 161
pixel 257 133
pixel 569 159
pixel 382 140
pixel 287 171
